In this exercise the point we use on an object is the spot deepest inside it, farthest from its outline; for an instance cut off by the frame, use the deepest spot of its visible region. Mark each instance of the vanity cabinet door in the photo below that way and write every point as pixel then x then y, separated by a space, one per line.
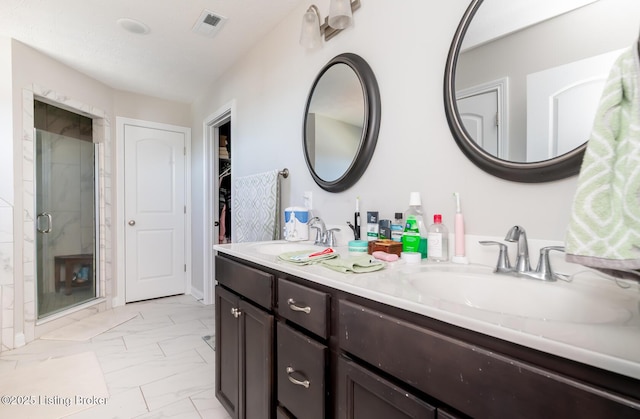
pixel 244 357
pixel 256 362
pixel 301 371
pixel 304 306
pixel 363 394
pixel 227 344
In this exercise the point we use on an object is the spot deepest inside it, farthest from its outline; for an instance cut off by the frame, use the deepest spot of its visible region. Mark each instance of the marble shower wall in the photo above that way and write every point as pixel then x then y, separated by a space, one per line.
pixel 6 274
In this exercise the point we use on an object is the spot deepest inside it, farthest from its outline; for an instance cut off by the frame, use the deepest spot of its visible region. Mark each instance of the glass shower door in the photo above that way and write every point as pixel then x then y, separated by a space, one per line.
pixel 65 224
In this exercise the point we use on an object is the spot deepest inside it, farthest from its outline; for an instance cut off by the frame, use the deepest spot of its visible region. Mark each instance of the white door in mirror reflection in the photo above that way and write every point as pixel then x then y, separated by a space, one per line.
pixel 479 114
pixel 562 103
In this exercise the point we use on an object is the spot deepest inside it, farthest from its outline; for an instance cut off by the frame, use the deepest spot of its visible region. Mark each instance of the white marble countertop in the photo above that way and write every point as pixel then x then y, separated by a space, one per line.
pixel 608 338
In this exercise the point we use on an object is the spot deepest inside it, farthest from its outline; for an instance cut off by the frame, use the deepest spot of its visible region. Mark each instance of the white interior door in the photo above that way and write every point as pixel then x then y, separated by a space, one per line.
pixel 562 103
pixel 479 114
pixel 155 212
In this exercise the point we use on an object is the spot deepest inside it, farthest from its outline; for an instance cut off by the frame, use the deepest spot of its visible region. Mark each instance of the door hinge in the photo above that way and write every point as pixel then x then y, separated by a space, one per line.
pixel 497 119
pixel 184 151
pixel 185 267
pixel 185 209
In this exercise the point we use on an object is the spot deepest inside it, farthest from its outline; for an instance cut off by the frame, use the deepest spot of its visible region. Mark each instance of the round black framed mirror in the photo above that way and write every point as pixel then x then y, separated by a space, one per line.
pixel 341 122
pixel 515 60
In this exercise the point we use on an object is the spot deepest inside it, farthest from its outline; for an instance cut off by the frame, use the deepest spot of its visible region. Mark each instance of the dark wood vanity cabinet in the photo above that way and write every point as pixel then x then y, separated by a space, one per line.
pixel 336 355
pixel 475 380
pixel 244 343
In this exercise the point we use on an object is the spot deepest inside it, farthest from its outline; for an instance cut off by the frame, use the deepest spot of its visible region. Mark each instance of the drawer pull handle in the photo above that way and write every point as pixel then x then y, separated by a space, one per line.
pixel 236 312
pixel 304 383
pixel 294 307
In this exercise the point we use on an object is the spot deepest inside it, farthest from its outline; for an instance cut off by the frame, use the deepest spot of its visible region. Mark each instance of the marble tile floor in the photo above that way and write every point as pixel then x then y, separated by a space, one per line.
pixel 155 366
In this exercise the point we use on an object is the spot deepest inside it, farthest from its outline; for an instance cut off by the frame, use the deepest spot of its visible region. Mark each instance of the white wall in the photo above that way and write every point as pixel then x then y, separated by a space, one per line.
pixel 146 108
pixel 406 46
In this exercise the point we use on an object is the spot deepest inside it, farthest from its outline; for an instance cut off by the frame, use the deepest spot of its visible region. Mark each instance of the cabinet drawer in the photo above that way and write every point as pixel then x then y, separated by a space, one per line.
pixel 251 283
pixel 301 373
pixel 471 379
pixel 304 306
pixel 363 394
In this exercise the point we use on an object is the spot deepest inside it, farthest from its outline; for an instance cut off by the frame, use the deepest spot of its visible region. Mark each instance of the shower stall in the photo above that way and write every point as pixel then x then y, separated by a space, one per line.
pixel 66 209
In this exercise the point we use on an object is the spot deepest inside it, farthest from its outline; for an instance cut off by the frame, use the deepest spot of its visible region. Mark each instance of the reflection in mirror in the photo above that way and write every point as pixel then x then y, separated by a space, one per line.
pixel 334 122
pixel 523 83
pixel 341 122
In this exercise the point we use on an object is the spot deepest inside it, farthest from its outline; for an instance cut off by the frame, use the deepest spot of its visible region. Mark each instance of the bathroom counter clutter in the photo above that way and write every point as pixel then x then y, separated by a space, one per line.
pixel 589 320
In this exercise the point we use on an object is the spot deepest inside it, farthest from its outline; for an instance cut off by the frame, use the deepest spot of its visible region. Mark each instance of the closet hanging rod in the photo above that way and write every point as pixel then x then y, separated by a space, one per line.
pixel 284 173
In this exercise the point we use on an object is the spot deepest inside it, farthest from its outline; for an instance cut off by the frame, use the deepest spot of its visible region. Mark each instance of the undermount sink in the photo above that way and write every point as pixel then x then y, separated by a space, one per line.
pixel 489 293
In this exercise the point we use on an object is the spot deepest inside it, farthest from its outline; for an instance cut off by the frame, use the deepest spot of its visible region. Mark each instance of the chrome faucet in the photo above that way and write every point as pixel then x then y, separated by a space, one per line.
pixel 517 234
pixel 324 236
pixel 522 267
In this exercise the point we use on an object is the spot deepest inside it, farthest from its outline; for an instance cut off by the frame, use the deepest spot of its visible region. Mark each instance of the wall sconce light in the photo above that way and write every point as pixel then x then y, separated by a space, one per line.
pixel 340 17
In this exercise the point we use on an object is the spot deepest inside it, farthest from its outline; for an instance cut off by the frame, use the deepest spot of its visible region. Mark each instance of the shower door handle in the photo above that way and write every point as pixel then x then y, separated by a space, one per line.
pixel 49 223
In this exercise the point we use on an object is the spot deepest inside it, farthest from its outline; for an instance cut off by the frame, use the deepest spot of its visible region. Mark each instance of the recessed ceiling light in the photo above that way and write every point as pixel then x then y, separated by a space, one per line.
pixel 133 26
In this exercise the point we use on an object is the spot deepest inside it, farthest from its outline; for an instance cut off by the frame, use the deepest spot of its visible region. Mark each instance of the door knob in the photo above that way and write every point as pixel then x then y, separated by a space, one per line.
pixel 132 222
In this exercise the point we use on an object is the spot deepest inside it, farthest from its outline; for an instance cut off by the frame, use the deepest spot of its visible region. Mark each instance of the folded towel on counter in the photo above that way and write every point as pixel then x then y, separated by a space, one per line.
pixel 356 264
pixel 604 229
pixel 307 257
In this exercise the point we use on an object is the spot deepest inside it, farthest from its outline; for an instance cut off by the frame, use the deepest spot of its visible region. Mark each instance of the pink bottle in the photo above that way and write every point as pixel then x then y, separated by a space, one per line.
pixel 459 244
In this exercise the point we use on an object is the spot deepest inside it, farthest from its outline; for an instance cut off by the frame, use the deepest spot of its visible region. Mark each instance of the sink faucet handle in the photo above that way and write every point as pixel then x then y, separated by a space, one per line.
pixel 544 270
pixel 331 237
pixel 503 264
pixel 319 235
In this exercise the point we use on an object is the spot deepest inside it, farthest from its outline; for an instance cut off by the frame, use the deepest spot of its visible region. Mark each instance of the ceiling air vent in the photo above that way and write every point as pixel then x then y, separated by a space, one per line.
pixel 209 24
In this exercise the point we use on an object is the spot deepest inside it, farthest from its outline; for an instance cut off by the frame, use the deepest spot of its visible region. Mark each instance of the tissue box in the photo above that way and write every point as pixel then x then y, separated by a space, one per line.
pixel 388 246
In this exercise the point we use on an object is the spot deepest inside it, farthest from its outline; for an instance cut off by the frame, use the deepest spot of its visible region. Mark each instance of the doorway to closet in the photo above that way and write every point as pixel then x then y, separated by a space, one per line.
pixel 224 183
pixel 218 133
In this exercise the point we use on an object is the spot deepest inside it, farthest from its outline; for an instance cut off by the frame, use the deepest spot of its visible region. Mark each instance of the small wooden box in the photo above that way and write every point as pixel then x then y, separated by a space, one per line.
pixel 388 246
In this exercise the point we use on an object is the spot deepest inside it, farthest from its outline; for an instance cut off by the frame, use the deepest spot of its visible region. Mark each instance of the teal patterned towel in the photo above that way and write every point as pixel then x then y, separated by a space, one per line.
pixel 256 207
pixel 604 229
